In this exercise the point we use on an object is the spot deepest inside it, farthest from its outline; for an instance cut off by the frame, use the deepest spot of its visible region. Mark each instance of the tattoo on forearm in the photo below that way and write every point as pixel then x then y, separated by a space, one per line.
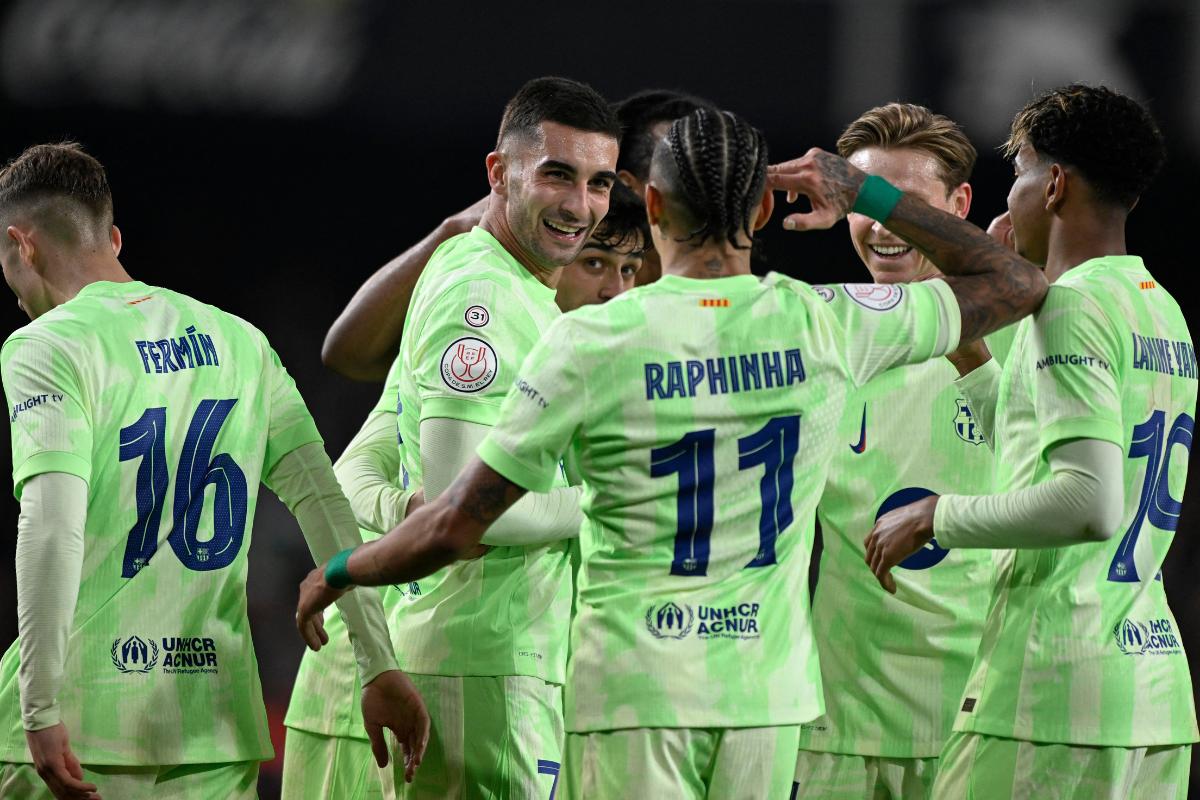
pixel 483 497
pixel 994 285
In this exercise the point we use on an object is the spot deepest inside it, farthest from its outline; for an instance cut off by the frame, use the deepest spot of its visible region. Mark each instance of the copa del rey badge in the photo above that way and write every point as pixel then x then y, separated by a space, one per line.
pixel 875 296
pixel 468 365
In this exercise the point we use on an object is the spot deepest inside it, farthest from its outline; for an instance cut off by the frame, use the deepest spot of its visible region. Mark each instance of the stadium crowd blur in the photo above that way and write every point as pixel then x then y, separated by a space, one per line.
pixel 268 155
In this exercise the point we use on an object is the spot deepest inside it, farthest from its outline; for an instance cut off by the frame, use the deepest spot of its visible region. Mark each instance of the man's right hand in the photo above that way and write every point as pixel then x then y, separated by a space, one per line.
pixel 57 765
pixel 391 701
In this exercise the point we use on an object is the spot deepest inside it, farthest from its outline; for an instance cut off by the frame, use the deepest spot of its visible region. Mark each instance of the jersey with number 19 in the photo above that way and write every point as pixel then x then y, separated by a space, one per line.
pixel 1080 646
pixel 172 411
pixel 702 416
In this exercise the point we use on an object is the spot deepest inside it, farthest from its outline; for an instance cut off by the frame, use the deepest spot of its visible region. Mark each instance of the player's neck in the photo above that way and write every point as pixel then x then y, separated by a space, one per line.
pixel 1082 239
pixel 709 260
pixel 83 269
pixel 495 223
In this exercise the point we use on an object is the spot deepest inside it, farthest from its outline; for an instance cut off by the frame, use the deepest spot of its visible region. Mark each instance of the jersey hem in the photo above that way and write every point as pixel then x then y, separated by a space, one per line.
pixel 1081 428
pixel 1007 732
pixel 480 411
pixel 50 461
pixel 512 469
pixel 289 439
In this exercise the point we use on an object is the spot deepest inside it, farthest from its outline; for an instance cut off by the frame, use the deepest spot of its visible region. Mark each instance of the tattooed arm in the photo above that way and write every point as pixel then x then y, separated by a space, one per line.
pixel 993 285
pixel 437 534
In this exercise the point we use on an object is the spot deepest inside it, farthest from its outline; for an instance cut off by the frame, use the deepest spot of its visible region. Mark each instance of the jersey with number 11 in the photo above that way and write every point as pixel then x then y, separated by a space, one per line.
pixel 172 411
pixel 701 415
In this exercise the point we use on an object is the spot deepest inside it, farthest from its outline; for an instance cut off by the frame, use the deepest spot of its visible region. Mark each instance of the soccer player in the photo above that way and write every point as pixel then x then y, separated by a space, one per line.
pixel 893 670
pixel 325 754
pixel 1081 682
pixel 142 422
pixel 699 443
pixel 486 638
pixel 645 118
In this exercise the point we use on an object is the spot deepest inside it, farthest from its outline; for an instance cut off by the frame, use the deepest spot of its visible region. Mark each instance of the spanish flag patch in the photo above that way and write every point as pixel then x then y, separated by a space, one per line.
pixel 1147 284
pixel 714 302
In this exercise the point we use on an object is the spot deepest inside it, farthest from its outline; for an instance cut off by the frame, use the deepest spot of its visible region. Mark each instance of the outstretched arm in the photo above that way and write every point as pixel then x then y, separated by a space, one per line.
pixel 1081 502
pixel 439 533
pixel 364 339
pixel 993 285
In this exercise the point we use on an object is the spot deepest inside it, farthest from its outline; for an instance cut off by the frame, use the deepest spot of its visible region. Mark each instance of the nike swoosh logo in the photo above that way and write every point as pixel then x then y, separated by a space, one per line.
pixel 861 447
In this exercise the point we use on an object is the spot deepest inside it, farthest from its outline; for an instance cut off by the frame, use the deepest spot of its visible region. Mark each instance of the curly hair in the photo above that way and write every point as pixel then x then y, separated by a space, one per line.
pixel 714 164
pixel 625 224
pixel 897 125
pixel 1109 137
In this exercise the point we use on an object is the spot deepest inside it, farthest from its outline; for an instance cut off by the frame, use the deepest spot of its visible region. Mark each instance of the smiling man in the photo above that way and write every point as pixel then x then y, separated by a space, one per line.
pixel 487 637
pixel 904 434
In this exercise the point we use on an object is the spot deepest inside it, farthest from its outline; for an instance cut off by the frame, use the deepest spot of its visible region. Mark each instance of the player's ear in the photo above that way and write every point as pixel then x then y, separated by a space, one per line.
pixel 1055 192
pixel 654 204
pixel 114 238
pixel 497 173
pixel 766 206
pixel 960 200
pixel 26 249
pixel 629 179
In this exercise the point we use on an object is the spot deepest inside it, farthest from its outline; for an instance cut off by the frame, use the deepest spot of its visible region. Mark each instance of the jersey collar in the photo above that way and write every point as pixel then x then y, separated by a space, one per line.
pixel 114 288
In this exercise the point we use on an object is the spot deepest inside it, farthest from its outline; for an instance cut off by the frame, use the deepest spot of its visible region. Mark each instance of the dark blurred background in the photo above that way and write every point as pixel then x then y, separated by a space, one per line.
pixel 268 155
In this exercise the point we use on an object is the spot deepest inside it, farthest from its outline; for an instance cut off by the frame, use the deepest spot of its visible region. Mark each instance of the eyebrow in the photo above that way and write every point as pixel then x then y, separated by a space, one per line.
pixel 595 244
pixel 564 166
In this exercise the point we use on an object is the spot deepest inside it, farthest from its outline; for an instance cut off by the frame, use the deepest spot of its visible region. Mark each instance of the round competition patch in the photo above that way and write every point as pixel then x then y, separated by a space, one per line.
pixel 824 292
pixel 477 316
pixel 469 365
pixel 875 296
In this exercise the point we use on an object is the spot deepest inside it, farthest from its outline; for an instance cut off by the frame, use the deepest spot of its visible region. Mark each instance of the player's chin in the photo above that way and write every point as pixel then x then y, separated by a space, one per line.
pixel 895 270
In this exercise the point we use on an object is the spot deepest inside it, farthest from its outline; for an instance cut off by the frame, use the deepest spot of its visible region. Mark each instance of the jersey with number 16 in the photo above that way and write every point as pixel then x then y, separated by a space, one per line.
pixel 172 411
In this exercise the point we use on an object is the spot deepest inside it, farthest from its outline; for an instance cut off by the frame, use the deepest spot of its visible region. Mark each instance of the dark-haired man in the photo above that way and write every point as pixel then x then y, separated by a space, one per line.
pixel 691 655
pixel 1081 682
pixel 645 117
pixel 486 637
pixel 129 402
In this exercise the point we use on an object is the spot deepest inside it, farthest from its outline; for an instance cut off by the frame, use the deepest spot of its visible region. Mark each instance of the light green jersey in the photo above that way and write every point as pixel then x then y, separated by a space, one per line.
pixel 1080 646
pixel 475 314
pixel 894 666
pixel 703 417
pixel 172 411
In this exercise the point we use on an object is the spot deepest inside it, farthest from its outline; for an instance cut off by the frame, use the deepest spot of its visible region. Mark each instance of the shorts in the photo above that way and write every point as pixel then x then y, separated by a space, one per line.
pixel 680 763
pixel 980 767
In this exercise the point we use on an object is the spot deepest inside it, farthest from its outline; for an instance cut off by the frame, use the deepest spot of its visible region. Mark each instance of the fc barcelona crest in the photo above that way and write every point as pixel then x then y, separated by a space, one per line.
pixel 965 425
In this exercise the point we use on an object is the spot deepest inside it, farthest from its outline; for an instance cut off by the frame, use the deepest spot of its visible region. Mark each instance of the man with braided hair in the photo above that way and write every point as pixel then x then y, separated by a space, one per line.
pixel 904 434
pixel 703 446
pixel 1081 681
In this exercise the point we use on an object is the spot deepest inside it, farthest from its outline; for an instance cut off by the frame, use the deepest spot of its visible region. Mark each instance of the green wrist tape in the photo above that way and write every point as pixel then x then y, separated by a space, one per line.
pixel 877 198
pixel 336 573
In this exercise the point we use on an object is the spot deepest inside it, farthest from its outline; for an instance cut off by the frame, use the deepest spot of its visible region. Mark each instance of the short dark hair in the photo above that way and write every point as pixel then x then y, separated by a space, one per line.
pixel 639 113
pixel 560 100
pixel 1109 137
pixel 897 125
pixel 62 171
pixel 625 223
pixel 714 165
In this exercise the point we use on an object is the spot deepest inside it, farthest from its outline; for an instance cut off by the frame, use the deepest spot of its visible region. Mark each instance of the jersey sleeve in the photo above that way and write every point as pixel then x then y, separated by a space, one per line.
pixel 462 371
pixel 886 325
pixel 291 425
pixel 1076 353
pixel 48 414
pixel 541 414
